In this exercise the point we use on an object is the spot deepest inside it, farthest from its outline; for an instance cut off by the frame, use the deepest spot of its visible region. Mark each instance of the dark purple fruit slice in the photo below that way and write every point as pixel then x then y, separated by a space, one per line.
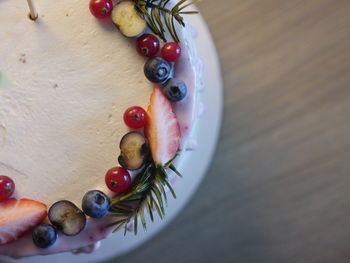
pixel 67 217
pixel 133 150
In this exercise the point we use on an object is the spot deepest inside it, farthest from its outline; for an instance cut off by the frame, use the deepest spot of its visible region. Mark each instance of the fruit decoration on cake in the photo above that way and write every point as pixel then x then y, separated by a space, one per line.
pixel 118 180
pixel 147 152
pixel 135 117
pixel 67 217
pixel 19 216
pixel 171 51
pixel 148 190
pixel 147 45
pixel 44 235
pixel 7 187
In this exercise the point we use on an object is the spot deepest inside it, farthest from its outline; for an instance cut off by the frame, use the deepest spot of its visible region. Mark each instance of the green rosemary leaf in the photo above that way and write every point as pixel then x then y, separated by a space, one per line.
pixel 123 206
pixel 126 228
pixel 157 16
pixel 151 198
pixel 150 23
pixel 170 161
pixel 157 208
pixel 115 201
pixel 141 188
pixel 135 223
pixel 170 188
pixel 162 190
pixel 122 198
pixel 142 217
pixel 167 19
pixel 165 3
pixel 176 7
pixel 116 222
pixel 162 173
pixel 134 197
pixel 116 209
pixel 149 209
pixel 187 5
pixel 188 12
pixel 173 30
pixel 146 174
pixel 119 211
pixel 154 20
pixel 159 197
pixel 173 168
pixel 173 26
pixel 118 227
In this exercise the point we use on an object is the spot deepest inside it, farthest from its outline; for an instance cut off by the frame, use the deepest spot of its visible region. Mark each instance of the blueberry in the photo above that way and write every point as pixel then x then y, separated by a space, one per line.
pixel 44 235
pixel 96 204
pixel 175 90
pixel 67 217
pixel 157 69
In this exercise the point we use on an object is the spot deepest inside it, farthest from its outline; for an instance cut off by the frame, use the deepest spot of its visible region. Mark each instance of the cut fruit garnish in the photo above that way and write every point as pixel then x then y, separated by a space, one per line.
pixel 133 150
pixel 127 19
pixel 67 217
pixel 19 216
pixel 162 129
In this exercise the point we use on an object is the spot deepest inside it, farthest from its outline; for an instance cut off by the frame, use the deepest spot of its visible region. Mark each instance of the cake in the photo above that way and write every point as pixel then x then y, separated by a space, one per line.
pixel 67 79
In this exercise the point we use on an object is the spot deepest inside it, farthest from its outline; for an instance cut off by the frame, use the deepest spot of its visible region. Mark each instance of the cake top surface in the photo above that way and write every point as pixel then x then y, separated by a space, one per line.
pixel 65 82
pixel 72 76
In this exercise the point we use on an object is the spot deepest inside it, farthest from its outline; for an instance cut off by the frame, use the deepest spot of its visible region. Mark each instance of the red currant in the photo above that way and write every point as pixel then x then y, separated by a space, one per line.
pixel 101 8
pixel 7 187
pixel 147 45
pixel 118 179
pixel 171 51
pixel 135 117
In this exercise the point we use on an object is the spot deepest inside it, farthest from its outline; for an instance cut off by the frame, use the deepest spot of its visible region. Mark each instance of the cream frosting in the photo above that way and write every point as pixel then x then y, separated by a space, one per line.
pixel 72 76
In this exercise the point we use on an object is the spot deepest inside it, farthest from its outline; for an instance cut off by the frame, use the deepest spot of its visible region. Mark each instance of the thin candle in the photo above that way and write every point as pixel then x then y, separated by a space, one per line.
pixel 33 14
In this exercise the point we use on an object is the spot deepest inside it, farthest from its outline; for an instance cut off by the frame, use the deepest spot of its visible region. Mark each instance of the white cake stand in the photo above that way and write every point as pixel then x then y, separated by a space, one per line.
pixel 194 164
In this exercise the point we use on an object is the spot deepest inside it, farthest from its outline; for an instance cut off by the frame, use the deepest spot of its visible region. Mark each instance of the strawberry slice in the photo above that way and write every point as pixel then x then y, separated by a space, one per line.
pixel 162 129
pixel 19 216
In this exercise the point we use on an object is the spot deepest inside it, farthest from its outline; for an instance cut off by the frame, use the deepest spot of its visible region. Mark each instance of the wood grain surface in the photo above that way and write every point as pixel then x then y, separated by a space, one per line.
pixel 278 189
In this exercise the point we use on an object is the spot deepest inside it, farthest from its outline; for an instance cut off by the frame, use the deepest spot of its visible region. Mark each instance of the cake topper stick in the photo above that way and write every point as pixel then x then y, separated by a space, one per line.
pixel 33 14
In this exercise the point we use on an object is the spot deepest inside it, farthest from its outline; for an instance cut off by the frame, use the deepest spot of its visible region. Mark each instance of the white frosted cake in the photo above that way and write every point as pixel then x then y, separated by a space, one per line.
pixel 66 80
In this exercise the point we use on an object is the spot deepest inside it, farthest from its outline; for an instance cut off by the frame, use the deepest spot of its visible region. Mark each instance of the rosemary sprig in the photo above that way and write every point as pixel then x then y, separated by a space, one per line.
pixel 146 194
pixel 161 18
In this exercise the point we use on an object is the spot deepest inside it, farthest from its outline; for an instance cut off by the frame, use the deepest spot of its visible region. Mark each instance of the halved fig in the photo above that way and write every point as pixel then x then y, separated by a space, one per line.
pixel 127 19
pixel 67 217
pixel 133 150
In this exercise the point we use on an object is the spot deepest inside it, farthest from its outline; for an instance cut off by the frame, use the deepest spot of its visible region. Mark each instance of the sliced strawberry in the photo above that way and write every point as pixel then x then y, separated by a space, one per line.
pixel 162 128
pixel 19 216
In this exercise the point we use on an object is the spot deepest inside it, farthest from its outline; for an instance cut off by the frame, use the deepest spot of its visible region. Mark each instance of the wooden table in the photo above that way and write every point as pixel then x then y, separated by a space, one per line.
pixel 278 189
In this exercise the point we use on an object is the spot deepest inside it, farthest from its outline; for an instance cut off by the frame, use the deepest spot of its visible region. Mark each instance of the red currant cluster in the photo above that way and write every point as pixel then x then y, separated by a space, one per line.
pixel 148 46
